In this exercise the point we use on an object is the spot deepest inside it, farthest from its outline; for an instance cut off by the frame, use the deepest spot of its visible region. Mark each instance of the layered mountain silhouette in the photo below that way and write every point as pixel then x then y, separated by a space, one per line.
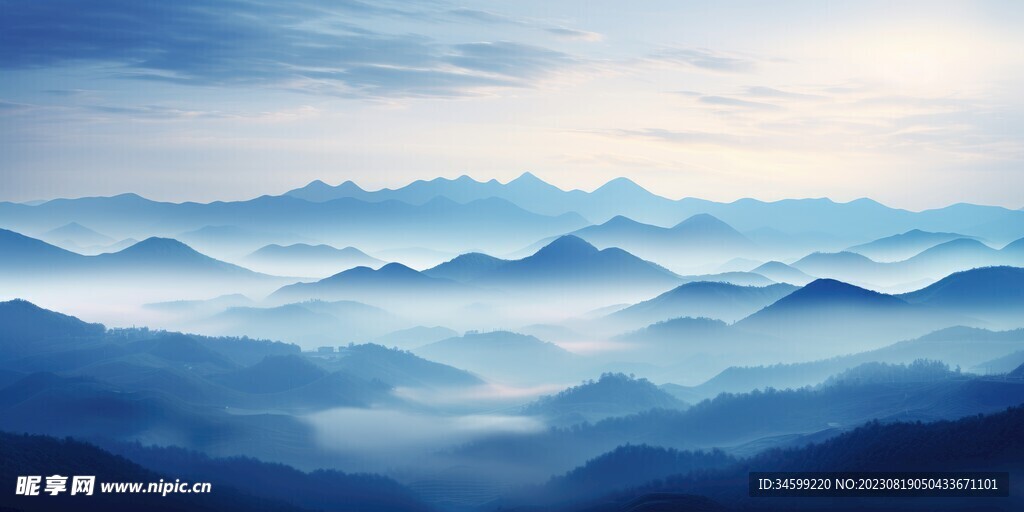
pixel 568 265
pixel 439 223
pixel 995 293
pixel 932 263
pixel 29 328
pixel 701 299
pixel 844 315
pixel 527 191
pixel 966 347
pixel 782 273
pixel 232 241
pixel 860 219
pixel 415 337
pixel 391 280
pixel 629 466
pixel 570 260
pixel 902 246
pixel 695 348
pixel 507 357
pixel 712 423
pixel 685 480
pixel 397 368
pixel 692 242
pixel 466 267
pixel 311 260
pixel 613 394
pixel 27 259
pixel 309 324
pixel 75 236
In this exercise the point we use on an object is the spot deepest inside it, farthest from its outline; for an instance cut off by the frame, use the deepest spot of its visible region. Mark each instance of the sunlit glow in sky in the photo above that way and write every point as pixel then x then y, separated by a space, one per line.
pixel 915 104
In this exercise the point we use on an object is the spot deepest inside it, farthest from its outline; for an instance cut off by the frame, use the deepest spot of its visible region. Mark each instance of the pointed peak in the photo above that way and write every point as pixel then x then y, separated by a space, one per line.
pixel 773 264
pixel 621 185
pixel 349 185
pixel 396 269
pixel 158 245
pixel 702 220
pixel 620 220
pixel 833 289
pixel 567 246
pixel 527 177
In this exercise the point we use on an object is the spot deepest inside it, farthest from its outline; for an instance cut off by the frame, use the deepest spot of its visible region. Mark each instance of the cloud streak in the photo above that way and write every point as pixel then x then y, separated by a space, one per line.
pixel 303 46
pixel 707 60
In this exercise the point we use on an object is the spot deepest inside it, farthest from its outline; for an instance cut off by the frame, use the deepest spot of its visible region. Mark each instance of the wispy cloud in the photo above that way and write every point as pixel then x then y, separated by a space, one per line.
pixel 682 137
pixel 726 101
pixel 305 46
pixel 770 92
pixel 706 59
pixel 495 18
pixel 578 35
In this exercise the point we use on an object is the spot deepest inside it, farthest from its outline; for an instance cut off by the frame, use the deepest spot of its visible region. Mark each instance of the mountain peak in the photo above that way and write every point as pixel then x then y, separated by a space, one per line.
pixel 567 246
pixel 528 177
pixel 157 245
pixel 75 230
pixel 620 221
pixel 823 290
pixel 74 226
pixel 396 269
pixel 703 221
pixel 621 185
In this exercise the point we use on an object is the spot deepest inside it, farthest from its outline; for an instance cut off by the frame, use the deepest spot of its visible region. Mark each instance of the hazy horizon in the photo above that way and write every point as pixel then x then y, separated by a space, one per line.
pixel 913 105
pixel 477 256
pixel 399 185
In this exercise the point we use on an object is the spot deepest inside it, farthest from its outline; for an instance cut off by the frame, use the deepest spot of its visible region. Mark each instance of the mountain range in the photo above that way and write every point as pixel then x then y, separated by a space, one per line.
pixel 904 245
pixel 308 260
pixel 723 301
pixel 613 394
pixel 440 223
pixel 506 357
pixel 932 263
pixel 28 259
pixel 842 315
pixel 309 324
pixel 76 237
pixel 966 347
pixel 451 214
pixel 862 218
pixel 698 241
pixel 394 281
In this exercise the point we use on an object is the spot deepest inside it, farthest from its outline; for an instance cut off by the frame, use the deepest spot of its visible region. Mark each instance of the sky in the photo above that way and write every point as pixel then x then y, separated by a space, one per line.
pixel 914 104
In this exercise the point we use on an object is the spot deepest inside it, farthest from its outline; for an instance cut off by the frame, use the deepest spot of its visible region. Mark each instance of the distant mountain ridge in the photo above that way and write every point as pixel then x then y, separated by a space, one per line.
pixel 827 309
pixel 439 222
pixel 527 209
pixel 22 257
pixel 611 395
pixel 702 299
pixel 503 355
pixel 695 239
pixel 904 245
pixel 310 260
pixel 936 261
pixel 861 218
